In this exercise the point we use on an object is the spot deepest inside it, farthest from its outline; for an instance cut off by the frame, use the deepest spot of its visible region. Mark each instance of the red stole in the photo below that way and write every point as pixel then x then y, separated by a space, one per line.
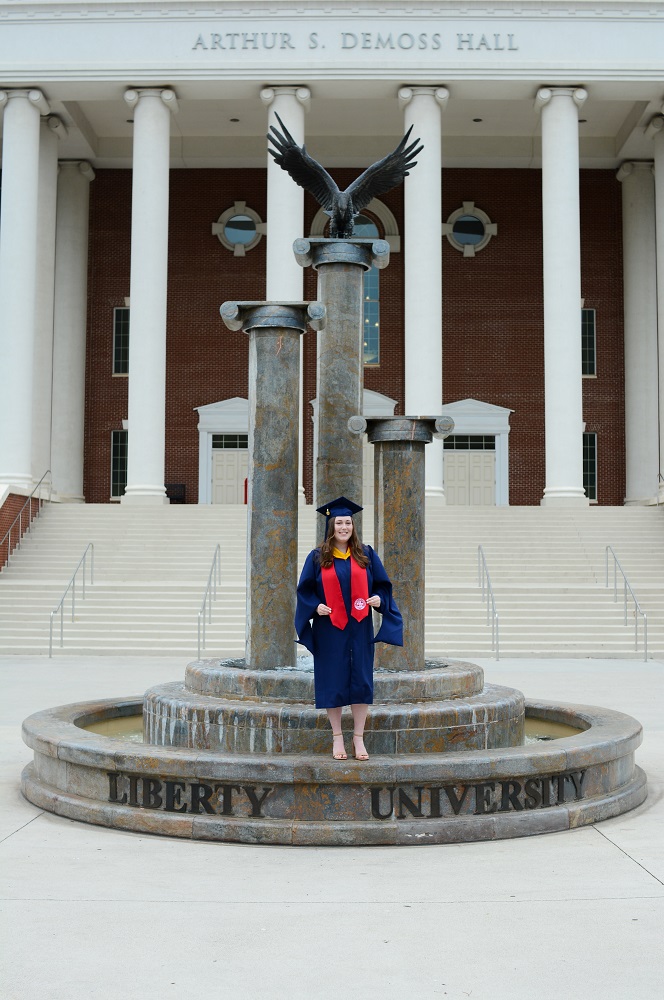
pixel 359 592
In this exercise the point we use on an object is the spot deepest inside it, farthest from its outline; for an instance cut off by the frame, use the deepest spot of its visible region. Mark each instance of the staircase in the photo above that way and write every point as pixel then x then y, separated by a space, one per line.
pixel 152 564
pixel 547 567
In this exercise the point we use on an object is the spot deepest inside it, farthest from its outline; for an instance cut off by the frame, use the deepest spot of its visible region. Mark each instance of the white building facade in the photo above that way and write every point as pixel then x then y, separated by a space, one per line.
pixel 153 88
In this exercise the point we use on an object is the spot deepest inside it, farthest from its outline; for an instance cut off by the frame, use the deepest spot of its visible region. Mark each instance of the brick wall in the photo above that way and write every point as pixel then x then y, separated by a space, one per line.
pixel 492 316
pixel 8 512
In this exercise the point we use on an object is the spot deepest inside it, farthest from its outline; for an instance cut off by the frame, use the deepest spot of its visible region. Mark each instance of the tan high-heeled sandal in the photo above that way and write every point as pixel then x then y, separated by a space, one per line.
pixel 359 756
pixel 340 754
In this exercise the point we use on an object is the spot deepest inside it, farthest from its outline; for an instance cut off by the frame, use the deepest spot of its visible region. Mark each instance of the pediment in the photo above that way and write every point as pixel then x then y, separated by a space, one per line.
pixel 473 416
pixel 225 416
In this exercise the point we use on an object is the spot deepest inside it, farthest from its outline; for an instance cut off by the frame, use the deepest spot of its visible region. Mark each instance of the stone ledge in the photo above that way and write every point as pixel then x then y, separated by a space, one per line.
pixel 233 679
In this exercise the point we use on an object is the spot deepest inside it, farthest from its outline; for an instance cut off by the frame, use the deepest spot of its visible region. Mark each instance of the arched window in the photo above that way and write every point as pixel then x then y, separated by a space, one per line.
pixel 366 228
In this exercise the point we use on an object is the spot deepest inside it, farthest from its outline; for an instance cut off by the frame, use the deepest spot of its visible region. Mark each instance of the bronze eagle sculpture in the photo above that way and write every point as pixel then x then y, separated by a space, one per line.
pixel 342 206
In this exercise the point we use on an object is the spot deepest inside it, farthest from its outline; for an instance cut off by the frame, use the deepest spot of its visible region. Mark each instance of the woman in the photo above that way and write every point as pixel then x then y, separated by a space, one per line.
pixel 340 582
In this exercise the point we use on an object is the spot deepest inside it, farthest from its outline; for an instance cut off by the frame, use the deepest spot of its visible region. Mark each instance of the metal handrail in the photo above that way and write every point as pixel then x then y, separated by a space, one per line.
pixel 19 516
pixel 60 606
pixel 484 582
pixel 637 607
pixel 210 595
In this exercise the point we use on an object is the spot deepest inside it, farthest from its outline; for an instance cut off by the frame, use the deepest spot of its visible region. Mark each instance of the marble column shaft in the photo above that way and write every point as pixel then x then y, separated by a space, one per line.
pixel 69 328
pixel 148 291
pixel 561 232
pixel 399 521
pixel 340 265
pixel 274 332
pixel 18 280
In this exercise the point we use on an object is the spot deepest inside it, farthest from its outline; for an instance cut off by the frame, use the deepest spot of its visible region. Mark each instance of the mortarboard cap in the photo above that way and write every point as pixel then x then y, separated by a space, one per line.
pixel 341 507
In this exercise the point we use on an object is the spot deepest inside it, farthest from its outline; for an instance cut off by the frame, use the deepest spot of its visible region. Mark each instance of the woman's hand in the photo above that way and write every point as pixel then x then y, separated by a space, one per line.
pixel 374 601
pixel 323 609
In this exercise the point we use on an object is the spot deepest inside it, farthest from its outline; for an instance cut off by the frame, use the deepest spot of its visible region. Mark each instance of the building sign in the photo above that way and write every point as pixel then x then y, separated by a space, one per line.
pixel 383 802
pixel 359 42
pixel 138 42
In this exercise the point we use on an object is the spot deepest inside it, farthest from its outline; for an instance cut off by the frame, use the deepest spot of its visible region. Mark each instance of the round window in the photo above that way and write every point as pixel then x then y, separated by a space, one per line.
pixel 468 229
pixel 240 229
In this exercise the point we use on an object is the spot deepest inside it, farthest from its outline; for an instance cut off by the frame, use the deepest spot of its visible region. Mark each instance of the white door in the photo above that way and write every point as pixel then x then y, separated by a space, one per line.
pixel 230 467
pixel 470 478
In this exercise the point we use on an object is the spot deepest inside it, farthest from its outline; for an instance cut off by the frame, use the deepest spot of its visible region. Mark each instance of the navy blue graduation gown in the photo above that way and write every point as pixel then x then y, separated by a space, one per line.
pixel 343 658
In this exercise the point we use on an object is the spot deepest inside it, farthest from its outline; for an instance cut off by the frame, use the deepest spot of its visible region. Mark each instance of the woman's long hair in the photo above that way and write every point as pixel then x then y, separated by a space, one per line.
pixel 354 544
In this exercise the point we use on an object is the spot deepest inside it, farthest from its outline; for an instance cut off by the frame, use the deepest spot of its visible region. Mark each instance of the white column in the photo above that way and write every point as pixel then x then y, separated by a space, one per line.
pixel 656 129
pixel 51 130
pixel 69 328
pixel 18 281
pixel 285 222
pixel 423 352
pixel 148 288
pixel 640 315
pixel 561 233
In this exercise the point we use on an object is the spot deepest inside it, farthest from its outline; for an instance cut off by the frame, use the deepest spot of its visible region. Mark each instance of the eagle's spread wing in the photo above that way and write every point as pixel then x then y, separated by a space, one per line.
pixel 386 174
pixel 304 170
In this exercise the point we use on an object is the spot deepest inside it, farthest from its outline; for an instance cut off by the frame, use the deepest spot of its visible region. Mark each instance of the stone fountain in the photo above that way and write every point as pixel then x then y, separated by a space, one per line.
pixel 237 752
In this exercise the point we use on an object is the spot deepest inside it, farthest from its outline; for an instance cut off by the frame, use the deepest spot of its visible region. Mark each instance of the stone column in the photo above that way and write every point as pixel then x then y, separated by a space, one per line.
pixel 656 130
pixel 285 220
pixel 340 265
pixel 18 280
pixel 399 522
pixel 69 328
pixel 148 287
pixel 423 258
pixel 52 130
pixel 274 329
pixel 561 231
pixel 640 305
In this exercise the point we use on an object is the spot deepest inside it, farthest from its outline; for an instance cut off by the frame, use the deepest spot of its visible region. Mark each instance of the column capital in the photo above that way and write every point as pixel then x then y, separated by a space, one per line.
pixel 544 95
pixel 168 97
pixel 398 428
pixel 56 125
pixel 82 166
pixel 440 94
pixel 301 94
pixel 366 253
pixel 627 169
pixel 655 126
pixel 35 97
pixel 249 316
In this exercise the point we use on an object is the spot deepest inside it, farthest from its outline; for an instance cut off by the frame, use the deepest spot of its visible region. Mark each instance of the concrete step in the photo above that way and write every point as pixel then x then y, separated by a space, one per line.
pixel 151 567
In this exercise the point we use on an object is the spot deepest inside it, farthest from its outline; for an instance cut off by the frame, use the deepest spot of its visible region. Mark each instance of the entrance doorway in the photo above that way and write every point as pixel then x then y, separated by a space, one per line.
pixel 476 454
pixel 230 467
pixel 470 478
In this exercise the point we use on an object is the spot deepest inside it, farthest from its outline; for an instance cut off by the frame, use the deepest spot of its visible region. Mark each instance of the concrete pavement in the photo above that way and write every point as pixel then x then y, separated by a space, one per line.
pixel 89 912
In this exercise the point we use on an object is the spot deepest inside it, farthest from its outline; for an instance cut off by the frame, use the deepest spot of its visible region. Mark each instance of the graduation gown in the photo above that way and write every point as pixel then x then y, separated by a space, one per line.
pixel 343 658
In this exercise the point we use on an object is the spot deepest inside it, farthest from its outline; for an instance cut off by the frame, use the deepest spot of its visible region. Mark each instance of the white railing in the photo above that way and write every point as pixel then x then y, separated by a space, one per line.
pixel 637 607
pixel 209 596
pixel 484 581
pixel 27 517
pixel 60 606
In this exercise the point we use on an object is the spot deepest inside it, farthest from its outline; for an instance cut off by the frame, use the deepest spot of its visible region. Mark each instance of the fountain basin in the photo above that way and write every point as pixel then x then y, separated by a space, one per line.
pixel 301 799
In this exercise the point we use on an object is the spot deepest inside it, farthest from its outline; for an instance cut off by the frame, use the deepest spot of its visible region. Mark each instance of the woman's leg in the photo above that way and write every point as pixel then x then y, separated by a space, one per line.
pixel 338 750
pixel 359 719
